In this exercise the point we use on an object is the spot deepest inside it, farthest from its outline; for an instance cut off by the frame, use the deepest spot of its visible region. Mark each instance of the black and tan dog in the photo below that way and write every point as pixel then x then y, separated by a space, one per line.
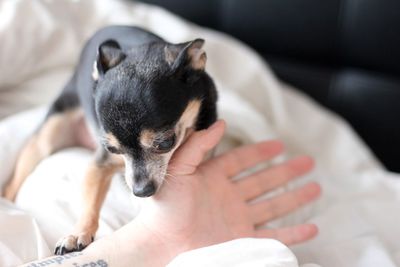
pixel 133 98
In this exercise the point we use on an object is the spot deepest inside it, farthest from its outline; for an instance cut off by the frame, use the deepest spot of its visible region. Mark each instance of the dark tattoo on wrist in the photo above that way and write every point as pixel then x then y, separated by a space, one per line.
pixel 99 263
pixel 58 260
pixel 53 260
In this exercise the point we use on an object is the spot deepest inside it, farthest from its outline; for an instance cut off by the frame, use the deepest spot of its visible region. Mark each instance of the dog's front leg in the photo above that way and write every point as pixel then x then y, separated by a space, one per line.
pixel 95 186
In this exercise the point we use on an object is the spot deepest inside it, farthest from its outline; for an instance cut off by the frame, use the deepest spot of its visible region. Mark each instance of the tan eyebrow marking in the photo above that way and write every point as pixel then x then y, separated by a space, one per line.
pixel 147 137
pixel 112 140
pixel 187 119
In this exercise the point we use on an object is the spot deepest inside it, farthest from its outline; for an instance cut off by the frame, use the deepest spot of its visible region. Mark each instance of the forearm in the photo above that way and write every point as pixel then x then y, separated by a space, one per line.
pixel 132 245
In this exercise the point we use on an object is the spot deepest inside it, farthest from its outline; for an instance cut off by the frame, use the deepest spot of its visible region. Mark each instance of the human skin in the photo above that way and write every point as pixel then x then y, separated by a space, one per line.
pixel 201 205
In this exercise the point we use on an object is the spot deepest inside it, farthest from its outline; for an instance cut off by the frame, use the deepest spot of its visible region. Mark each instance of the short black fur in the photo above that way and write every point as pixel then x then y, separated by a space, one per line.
pixel 141 91
pixel 139 82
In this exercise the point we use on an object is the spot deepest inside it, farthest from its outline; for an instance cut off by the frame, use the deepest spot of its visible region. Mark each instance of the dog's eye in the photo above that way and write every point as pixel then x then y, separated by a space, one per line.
pixel 165 145
pixel 113 150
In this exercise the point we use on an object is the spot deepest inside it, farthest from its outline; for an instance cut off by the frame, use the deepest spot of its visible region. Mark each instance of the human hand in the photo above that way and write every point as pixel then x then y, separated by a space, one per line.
pixel 200 205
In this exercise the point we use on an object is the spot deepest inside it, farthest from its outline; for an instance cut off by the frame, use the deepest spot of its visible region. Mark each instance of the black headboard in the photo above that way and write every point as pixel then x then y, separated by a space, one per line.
pixel 343 53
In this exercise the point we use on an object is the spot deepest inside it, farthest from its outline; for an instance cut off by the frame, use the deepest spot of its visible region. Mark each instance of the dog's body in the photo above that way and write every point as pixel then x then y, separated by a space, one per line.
pixel 132 94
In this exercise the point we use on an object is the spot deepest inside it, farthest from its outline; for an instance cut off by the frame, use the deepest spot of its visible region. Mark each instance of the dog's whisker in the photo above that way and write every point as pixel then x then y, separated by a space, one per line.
pixel 166 174
pixel 172 177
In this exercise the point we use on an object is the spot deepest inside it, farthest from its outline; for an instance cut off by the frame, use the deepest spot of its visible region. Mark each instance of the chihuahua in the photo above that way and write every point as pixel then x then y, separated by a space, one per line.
pixel 133 99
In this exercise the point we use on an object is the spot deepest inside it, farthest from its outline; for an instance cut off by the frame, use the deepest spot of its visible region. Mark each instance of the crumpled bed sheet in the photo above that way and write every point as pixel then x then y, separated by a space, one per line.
pixel 40 42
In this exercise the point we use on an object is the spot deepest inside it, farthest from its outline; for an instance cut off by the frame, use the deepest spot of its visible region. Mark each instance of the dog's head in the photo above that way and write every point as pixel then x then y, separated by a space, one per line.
pixel 147 99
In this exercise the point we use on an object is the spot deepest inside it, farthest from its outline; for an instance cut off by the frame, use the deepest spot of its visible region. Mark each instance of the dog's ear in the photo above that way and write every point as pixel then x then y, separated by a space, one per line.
pixel 109 55
pixel 189 54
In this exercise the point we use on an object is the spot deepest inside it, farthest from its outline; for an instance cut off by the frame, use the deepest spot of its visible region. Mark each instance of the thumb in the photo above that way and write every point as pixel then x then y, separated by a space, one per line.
pixel 190 154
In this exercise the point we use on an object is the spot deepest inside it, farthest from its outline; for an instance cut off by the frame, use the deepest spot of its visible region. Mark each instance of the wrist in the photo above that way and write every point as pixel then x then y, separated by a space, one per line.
pixel 132 245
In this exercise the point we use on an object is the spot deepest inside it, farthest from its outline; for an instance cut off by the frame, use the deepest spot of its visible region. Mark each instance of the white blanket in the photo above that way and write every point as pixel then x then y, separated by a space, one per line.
pixel 39 44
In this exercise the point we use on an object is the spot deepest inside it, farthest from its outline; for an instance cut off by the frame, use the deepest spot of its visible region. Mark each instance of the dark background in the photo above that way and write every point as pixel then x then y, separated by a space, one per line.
pixel 343 53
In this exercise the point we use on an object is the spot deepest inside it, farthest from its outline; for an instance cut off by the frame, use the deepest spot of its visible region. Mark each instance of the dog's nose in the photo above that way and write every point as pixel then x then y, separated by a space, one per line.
pixel 144 189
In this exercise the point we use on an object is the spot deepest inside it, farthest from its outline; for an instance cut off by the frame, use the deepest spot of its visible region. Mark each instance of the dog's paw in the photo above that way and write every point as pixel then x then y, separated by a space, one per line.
pixel 73 243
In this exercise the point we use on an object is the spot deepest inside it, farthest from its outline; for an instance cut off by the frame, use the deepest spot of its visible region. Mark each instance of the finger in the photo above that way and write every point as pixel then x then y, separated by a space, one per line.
pixel 268 179
pixel 290 235
pixel 283 204
pixel 187 157
pixel 242 158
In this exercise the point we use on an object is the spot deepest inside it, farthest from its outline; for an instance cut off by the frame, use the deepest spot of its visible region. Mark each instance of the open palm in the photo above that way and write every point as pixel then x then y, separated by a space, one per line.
pixel 200 205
